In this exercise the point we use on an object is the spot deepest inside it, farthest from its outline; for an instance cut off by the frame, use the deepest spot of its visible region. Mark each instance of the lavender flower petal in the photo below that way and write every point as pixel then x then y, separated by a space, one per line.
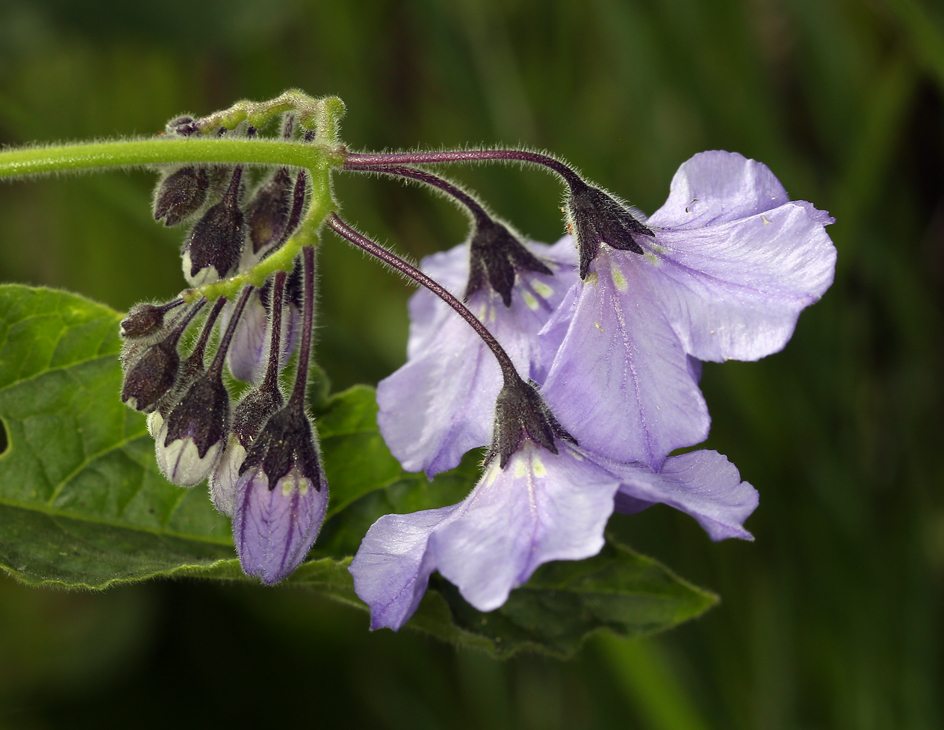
pixel 621 381
pixel 541 507
pixel 703 484
pixel 441 403
pixel 737 269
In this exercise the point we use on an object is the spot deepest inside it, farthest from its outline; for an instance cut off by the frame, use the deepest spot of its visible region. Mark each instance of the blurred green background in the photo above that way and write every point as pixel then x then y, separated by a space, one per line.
pixel 831 619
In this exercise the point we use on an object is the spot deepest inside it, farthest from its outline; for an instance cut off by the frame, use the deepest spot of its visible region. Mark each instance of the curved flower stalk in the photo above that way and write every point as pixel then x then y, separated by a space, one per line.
pixel 440 404
pixel 726 267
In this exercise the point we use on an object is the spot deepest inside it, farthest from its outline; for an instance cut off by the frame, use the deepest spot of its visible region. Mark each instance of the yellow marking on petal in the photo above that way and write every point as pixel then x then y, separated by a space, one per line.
pixel 491 474
pixel 598 326
pixel 619 281
pixel 543 289
pixel 763 217
pixel 537 466
pixel 521 469
pixel 592 278
pixel 651 258
pixel 530 300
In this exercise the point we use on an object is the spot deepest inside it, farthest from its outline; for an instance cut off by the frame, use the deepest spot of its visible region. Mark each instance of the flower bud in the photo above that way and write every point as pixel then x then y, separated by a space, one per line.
pixel 183 126
pixel 249 417
pixel 248 355
pixel 281 497
pixel 267 212
pixel 150 374
pixel 181 194
pixel 194 432
pixel 215 243
pixel 145 321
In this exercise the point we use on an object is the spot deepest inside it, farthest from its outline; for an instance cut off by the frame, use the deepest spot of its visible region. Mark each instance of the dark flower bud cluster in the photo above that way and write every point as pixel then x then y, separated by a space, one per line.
pixel 260 453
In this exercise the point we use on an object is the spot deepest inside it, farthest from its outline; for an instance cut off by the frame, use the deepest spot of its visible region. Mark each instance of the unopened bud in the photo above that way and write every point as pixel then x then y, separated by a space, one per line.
pixel 183 126
pixel 181 194
pixel 215 243
pixel 267 212
pixel 281 497
pixel 249 417
pixel 194 432
pixel 150 375
pixel 144 321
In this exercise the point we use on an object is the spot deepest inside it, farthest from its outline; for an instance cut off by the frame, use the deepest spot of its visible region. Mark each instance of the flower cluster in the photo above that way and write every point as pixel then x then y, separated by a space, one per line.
pixel 259 453
pixel 576 364
pixel 612 330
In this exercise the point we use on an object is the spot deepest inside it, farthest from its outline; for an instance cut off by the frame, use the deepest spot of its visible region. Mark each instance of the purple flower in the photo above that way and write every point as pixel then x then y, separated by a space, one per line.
pixel 440 403
pixel 281 497
pixel 540 507
pixel 727 265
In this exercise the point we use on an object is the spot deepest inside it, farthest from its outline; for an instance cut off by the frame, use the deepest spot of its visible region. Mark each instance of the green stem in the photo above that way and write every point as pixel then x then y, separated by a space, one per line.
pixel 156 151
pixel 318 159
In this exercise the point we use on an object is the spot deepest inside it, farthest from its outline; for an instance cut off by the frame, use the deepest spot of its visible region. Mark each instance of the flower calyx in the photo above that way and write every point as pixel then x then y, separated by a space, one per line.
pixel 595 217
pixel 521 413
pixel 495 256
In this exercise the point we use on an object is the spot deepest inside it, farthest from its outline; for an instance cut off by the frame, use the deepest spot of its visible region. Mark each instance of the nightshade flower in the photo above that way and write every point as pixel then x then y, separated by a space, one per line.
pixel 281 497
pixel 728 267
pixel 440 403
pixel 541 506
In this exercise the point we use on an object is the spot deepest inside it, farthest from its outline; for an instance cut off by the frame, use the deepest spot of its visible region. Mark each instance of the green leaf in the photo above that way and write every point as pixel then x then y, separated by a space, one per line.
pixel 565 601
pixel 82 502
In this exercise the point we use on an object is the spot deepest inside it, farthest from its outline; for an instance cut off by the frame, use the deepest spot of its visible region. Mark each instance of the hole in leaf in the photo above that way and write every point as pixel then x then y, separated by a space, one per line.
pixel 3 438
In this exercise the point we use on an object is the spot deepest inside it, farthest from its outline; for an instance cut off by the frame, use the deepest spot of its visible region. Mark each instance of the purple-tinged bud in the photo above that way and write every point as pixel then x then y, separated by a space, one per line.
pixel 181 194
pixel 267 212
pixel 194 433
pixel 521 413
pixel 144 321
pixel 595 217
pixel 495 255
pixel 215 243
pixel 248 355
pixel 249 417
pixel 281 497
